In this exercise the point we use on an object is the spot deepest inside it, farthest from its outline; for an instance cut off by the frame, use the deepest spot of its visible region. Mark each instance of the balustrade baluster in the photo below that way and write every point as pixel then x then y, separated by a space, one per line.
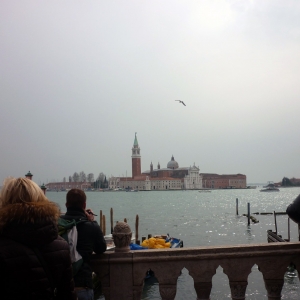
pixel 274 288
pixel 273 270
pixel 238 273
pixel 203 290
pixel 202 273
pixel 238 289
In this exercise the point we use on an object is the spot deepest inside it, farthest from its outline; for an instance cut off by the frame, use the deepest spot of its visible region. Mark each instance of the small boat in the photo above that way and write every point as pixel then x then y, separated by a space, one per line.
pixel 175 243
pixel 270 187
pixel 204 191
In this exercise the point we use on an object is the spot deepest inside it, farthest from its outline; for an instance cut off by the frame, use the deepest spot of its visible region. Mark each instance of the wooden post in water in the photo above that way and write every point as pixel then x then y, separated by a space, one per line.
pixel 137 229
pixel 237 206
pixel 111 220
pixel 125 220
pixel 289 230
pixel 275 222
pixel 101 227
pixel 248 213
pixel 104 225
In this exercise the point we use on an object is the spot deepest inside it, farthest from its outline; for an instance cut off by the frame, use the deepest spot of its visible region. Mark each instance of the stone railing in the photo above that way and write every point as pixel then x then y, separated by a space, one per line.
pixel 122 272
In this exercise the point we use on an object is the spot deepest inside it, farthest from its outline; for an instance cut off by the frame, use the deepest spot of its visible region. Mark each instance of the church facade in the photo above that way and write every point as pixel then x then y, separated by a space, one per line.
pixel 170 178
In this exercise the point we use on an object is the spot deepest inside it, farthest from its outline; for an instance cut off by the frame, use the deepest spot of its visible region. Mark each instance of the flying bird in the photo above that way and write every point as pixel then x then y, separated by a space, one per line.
pixel 181 102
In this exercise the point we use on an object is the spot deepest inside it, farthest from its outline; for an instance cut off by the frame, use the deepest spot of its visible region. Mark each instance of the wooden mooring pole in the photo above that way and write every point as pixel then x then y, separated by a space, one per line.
pixel 237 206
pixel 275 222
pixel 248 213
pixel 289 230
pixel 137 230
pixel 101 227
pixel 111 220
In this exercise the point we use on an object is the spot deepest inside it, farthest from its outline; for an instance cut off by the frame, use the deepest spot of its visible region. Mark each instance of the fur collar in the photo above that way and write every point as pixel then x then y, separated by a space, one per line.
pixel 35 213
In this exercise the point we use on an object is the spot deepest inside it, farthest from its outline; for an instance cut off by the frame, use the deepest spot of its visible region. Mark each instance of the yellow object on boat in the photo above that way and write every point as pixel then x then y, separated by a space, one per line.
pixel 155 243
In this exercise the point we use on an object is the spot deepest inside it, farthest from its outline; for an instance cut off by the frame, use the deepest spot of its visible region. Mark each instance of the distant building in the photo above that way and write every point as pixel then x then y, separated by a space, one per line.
pixel 216 181
pixel 63 186
pixel 170 178
pixel 193 180
pixel 295 181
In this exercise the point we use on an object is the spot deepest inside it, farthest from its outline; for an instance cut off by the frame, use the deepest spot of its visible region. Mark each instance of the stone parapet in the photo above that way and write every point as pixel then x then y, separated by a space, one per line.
pixel 122 274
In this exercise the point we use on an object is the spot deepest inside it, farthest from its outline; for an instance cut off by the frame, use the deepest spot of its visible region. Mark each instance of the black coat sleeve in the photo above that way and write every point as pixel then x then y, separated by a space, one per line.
pixel 99 241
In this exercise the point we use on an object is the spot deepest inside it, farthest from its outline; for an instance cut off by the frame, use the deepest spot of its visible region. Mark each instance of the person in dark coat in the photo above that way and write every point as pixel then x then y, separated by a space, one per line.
pixel 90 239
pixel 29 244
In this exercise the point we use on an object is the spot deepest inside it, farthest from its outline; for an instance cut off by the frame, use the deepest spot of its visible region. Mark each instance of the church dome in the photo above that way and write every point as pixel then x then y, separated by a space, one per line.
pixel 172 164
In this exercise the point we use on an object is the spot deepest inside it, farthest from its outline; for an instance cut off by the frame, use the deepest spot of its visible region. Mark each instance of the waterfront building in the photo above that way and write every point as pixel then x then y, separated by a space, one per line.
pixel 193 180
pixel 170 178
pixel 63 186
pixel 136 158
pixel 216 181
pixel 28 175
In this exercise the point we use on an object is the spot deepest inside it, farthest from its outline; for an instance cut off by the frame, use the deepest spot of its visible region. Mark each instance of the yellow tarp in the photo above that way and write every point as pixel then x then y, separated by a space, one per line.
pixel 155 243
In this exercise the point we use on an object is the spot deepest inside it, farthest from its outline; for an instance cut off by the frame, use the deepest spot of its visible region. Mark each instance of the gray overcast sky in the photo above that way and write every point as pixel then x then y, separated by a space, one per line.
pixel 79 78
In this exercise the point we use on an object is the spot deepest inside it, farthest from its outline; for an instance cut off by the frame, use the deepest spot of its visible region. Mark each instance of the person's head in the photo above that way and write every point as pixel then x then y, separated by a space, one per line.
pixel 76 198
pixel 20 190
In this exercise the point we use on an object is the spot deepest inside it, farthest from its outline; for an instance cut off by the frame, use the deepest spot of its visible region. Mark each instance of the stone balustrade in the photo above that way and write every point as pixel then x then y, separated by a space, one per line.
pixel 122 273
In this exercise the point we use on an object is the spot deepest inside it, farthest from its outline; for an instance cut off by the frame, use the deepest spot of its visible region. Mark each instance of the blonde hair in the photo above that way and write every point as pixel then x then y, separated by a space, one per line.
pixel 20 190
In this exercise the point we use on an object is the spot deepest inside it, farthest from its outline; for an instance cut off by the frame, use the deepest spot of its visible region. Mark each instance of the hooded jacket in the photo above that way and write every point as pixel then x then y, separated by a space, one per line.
pixel 90 239
pixel 22 276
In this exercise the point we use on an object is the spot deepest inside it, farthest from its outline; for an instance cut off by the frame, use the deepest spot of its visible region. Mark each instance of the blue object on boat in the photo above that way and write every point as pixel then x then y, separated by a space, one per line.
pixel 136 247
pixel 175 243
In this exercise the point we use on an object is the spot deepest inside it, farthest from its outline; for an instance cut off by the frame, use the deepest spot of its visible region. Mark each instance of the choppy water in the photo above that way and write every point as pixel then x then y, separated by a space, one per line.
pixel 201 219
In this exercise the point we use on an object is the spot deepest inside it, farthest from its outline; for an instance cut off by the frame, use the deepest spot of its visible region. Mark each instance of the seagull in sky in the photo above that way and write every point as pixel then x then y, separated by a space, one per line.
pixel 181 102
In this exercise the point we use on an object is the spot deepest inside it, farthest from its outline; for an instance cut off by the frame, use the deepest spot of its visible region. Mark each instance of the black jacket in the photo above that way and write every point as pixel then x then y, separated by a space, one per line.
pixel 90 239
pixel 22 275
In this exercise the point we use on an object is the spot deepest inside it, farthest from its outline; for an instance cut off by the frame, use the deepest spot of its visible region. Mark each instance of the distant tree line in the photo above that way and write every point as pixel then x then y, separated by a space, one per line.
pixel 100 182
pixel 290 182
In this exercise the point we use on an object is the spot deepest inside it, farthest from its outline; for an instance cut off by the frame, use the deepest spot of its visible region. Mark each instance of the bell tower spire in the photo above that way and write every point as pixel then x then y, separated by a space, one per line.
pixel 136 158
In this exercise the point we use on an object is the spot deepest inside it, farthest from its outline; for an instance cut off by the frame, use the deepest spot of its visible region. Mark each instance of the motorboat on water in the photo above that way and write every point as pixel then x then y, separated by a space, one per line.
pixel 270 187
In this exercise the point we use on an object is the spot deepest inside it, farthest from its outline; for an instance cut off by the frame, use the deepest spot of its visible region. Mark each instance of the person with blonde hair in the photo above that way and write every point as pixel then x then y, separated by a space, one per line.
pixel 34 261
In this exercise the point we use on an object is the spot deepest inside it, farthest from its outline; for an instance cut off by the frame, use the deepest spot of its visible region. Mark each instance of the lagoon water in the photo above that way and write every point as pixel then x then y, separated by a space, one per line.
pixel 201 219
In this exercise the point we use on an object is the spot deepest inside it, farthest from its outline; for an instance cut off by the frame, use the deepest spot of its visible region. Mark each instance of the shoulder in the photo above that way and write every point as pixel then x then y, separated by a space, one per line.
pixel 89 228
pixel 9 248
pixel 57 251
pixel 91 224
pixel 59 244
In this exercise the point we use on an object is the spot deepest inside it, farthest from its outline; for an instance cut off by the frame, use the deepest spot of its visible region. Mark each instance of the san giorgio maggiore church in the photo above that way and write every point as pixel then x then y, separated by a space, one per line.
pixel 172 177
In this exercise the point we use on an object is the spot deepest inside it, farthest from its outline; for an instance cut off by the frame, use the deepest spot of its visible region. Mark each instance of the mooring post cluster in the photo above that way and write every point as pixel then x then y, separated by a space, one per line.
pixel 248 215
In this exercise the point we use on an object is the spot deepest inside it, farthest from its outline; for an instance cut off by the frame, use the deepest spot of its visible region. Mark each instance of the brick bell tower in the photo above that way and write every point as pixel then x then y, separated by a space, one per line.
pixel 136 158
